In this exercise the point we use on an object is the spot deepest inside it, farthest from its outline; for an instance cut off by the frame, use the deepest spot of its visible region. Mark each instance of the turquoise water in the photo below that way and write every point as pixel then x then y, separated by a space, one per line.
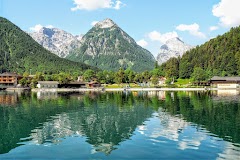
pixel 120 125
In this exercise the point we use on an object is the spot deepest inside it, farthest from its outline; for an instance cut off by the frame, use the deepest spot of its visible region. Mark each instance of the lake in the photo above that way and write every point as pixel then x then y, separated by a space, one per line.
pixel 120 125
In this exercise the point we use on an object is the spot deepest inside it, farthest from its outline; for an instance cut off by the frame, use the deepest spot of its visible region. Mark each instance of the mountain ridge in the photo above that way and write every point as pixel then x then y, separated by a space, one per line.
pixel 219 56
pixel 108 47
pixel 56 40
pixel 173 47
pixel 20 53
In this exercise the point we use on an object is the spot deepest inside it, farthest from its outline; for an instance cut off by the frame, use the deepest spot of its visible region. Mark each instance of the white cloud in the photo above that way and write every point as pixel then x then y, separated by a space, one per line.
pixel 94 22
pixel 193 29
pixel 118 5
pixel 228 12
pixel 36 28
pixel 96 4
pixel 156 36
pixel 142 43
pixel 213 28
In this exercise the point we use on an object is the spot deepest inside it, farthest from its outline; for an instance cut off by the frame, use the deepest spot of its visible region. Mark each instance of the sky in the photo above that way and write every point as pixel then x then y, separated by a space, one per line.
pixel 150 22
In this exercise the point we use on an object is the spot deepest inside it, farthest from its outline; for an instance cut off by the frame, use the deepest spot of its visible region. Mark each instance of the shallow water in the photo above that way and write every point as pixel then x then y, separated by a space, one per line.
pixel 120 125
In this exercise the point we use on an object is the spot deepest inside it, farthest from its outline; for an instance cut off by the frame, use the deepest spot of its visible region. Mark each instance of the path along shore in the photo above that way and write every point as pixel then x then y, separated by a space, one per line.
pixel 119 89
pixel 115 89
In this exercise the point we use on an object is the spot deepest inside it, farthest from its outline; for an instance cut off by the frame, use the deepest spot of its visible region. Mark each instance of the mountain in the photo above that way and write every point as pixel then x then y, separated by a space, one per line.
pixel 108 47
pixel 20 53
pixel 173 48
pixel 217 57
pixel 56 40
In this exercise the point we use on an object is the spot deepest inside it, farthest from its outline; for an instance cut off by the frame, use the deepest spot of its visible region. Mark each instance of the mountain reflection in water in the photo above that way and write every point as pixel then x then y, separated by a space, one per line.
pixel 108 121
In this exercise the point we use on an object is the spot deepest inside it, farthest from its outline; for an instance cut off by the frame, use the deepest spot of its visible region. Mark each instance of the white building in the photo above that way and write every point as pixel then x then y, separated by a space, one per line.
pixel 225 82
pixel 47 84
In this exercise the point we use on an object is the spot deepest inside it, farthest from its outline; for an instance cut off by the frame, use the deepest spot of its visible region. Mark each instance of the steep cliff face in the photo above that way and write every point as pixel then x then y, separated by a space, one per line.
pixel 173 48
pixel 56 40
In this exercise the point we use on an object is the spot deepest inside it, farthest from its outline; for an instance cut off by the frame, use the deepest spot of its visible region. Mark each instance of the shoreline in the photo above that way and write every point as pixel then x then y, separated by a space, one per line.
pixel 123 89
pixel 114 89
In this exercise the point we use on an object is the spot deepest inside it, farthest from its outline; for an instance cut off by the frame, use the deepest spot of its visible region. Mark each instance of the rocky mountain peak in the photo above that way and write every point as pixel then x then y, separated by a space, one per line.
pixel 108 47
pixel 56 40
pixel 173 47
pixel 175 39
pixel 107 23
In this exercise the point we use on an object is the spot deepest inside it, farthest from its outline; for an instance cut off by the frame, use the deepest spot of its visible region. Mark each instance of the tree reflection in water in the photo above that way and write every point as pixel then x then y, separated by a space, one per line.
pixel 107 119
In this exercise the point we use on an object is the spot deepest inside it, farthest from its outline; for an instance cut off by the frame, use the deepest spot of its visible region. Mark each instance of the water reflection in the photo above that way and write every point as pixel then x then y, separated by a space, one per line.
pixel 172 128
pixel 184 120
pixel 106 119
pixel 232 92
pixel 226 95
pixel 9 99
pixel 231 151
pixel 105 125
pixel 47 95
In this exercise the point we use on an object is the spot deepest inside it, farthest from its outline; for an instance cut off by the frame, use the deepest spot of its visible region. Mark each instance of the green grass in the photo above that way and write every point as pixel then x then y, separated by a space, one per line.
pixel 132 85
pixel 183 82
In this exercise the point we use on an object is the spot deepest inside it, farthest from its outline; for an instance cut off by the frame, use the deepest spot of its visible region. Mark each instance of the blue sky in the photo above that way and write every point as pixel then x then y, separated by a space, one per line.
pixel 149 22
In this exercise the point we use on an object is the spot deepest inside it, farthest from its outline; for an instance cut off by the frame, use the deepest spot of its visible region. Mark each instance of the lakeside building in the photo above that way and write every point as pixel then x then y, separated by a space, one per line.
pixel 47 84
pixel 162 81
pixel 9 79
pixel 76 84
pixel 225 82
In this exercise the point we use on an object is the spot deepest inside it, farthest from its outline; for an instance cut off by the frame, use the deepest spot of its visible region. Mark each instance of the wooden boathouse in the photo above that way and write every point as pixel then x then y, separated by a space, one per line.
pixel 225 82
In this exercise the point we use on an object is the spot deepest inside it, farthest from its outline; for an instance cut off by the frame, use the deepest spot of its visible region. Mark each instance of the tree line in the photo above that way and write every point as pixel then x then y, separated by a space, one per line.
pixel 105 77
pixel 218 57
pixel 20 53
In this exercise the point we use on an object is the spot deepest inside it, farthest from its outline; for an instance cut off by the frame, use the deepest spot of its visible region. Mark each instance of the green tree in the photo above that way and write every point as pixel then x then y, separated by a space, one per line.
pixel 110 76
pixel 185 69
pixel 88 75
pixel 64 78
pixel 39 76
pixel 146 76
pixel 75 75
pixel 100 77
pixel 154 80
pixel 129 75
pixel 199 74
pixel 119 76
pixel 23 81
pixel 172 68
pixel 138 78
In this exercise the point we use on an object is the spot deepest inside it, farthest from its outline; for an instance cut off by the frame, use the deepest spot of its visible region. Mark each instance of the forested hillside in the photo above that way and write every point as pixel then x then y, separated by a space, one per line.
pixel 218 57
pixel 20 53
pixel 108 47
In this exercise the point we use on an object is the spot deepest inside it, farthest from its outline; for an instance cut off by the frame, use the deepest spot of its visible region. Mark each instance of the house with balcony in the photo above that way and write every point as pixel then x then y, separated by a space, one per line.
pixel 9 79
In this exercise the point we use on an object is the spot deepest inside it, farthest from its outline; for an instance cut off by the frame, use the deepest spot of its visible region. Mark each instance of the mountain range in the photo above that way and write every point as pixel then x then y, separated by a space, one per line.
pixel 219 56
pixel 173 47
pixel 20 53
pixel 56 40
pixel 105 46
pixel 108 47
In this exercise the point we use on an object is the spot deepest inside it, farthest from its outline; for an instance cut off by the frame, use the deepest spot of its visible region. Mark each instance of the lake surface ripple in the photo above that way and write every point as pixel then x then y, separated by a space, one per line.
pixel 119 125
